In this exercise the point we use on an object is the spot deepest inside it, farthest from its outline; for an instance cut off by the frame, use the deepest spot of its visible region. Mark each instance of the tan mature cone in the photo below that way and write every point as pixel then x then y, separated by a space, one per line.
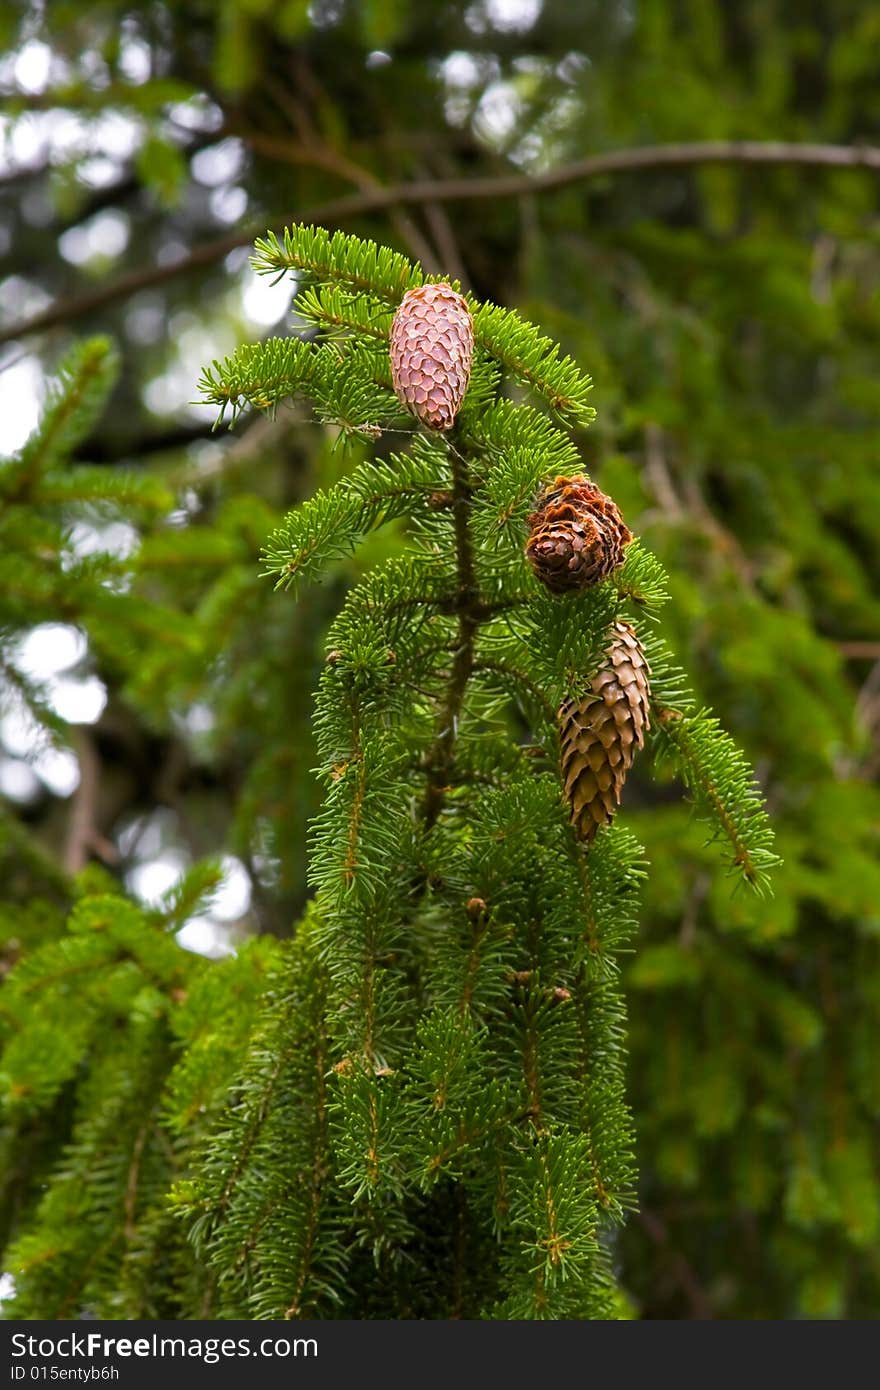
pixel 600 733
pixel 432 345
pixel 576 535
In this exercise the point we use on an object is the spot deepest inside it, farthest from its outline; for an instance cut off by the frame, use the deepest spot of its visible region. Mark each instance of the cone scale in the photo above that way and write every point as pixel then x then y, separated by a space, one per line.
pixel 601 733
pixel 577 536
pixel 432 344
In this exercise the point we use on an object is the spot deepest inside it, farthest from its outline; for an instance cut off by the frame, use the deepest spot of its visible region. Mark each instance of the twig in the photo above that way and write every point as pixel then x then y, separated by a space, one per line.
pixel 867 714
pixel 860 651
pixel 83 835
pixel 63 311
pixel 657 471
pixel 441 756
pixel 724 540
pixel 131 1187
pixel 259 437
pixel 324 157
pixel 643 158
pixel 446 242
pixel 114 450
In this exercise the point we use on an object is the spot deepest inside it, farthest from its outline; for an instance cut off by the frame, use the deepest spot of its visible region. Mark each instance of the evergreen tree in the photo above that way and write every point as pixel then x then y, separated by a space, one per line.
pixel 417 1109
pixel 603 169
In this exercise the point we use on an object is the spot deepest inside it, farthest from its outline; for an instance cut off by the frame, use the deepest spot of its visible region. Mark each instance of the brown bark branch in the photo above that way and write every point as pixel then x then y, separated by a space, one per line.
pixel 441 757
pixel 638 160
pixel 83 835
pixel 324 157
pixel 860 651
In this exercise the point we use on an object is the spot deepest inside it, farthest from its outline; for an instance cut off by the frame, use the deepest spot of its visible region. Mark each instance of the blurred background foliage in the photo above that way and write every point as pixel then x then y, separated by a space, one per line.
pixel 156 692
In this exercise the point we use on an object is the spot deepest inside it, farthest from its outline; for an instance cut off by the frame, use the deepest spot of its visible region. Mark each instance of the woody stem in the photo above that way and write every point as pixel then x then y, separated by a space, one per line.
pixel 441 757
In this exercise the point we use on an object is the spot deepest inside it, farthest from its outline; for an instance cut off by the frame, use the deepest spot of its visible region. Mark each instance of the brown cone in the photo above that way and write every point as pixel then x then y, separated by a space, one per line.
pixel 432 343
pixel 600 733
pixel 576 535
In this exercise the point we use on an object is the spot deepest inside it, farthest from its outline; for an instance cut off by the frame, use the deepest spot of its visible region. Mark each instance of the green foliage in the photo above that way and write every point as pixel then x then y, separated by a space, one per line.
pixel 373 278
pixel 151 1041
pixel 530 998
pixel 331 524
pixel 724 784
pixel 447 1026
pixel 730 318
pixel 44 578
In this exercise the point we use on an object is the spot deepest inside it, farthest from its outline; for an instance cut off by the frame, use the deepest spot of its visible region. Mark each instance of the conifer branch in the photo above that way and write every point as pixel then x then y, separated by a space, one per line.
pixel 440 759
pixel 316 1178
pixel 329 525
pixel 530 1062
pixel 256 1119
pixel 645 159
pixel 131 1186
pixel 535 361
pixel 78 393
pixel 444 1037
pixel 722 781
pixel 517 677
pixel 583 991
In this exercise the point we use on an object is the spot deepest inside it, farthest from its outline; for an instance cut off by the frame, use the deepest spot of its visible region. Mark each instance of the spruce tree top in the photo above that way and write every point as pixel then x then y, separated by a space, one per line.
pixel 415 1108
pixel 467 496
pixel 483 697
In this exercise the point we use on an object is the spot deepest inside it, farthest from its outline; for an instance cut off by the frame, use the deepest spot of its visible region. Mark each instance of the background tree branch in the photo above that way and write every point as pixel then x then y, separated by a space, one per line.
pixel 436 191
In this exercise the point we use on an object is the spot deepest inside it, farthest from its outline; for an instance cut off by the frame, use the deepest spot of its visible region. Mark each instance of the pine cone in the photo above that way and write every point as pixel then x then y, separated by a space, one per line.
pixel 432 343
pixel 576 535
pixel 600 734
